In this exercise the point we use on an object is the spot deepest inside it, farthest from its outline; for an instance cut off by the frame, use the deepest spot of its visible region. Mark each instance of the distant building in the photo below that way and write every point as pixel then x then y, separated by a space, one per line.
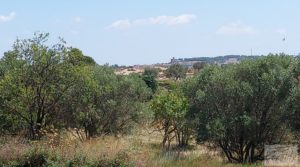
pixel 183 62
pixel 220 60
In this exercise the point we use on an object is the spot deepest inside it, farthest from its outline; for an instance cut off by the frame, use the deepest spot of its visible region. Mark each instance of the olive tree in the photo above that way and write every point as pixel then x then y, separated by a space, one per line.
pixel 240 107
pixel 176 72
pixel 34 82
pixel 103 103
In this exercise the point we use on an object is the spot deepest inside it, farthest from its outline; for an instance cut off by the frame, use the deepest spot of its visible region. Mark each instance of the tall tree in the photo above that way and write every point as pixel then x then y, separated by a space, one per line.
pixel 35 81
pixel 293 115
pixel 240 107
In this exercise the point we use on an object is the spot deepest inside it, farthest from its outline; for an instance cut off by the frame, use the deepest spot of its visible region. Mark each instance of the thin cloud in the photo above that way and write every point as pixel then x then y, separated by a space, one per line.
pixel 236 28
pixel 159 20
pixel 8 17
pixel 120 24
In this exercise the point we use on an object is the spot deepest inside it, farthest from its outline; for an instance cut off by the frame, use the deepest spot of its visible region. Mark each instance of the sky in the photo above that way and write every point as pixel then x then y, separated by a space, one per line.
pixel 129 32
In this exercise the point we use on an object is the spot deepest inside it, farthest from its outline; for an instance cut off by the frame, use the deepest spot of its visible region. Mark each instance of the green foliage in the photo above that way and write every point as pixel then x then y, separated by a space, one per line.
pixel 198 66
pixel 58 86
pixel 153 72
pixel 103 103
pixel 76 57
pixel 176 71
pixel 169 115
pixel 168 84
pixel 121 160
pixel 168 105
pixel 41 158
pixel 34 80
pixel 293 107
pixel 149 76
pixel 240 107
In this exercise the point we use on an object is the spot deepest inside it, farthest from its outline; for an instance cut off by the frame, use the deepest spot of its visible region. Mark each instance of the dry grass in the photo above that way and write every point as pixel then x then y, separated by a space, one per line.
pixel 142 149
pixel 12 149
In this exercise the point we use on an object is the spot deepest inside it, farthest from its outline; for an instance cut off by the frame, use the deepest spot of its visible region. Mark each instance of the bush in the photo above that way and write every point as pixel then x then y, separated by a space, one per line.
pixel 121 160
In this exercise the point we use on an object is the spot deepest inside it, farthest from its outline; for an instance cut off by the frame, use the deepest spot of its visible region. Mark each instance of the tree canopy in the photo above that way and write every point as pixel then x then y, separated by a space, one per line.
pixel 43 86
pixel 149 76
pixel 176 72
pixel 240 107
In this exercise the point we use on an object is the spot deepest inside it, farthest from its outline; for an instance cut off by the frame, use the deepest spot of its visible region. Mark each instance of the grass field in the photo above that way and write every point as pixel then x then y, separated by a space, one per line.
pixel 141 149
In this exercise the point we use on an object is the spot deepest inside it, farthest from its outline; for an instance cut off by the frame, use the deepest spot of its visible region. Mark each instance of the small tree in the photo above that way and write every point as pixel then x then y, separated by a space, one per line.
pixel 169 115
pixel 151 72
pixel 176 72
pixel 149 76
pixel 198 66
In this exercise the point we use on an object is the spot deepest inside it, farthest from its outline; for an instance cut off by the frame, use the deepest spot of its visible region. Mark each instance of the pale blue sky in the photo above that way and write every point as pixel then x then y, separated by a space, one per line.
pixel 144 32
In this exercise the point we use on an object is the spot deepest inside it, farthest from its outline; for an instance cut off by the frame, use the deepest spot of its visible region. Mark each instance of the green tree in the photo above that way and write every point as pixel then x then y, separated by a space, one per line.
pixel 103 103
pixel 198 66
pixel 240 107
pixel 149 76
pixel 169 115
pixel 176 72
pixel 34 81
pixel 293 115
pixel 76 57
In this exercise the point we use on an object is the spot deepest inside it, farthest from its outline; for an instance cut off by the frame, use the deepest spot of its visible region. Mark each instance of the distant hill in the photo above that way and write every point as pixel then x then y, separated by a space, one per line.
pixel 218 59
